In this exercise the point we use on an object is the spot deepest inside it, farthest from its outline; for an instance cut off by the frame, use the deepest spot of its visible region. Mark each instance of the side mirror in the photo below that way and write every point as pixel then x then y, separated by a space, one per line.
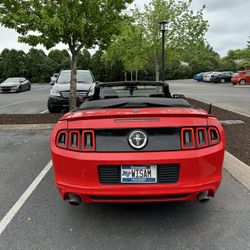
pixel 179 96
pixel 52 82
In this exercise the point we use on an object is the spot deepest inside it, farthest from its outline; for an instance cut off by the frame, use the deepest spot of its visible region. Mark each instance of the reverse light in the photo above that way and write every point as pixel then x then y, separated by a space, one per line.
pixel 76 140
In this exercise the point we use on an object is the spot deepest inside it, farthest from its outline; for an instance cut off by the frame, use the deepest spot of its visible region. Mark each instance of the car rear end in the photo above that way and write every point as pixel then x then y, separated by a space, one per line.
pixel 93 158
pixel 236 78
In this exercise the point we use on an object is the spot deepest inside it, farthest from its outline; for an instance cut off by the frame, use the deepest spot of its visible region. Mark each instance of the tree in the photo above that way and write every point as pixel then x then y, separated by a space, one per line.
pixel 60 60
pixel 84 60
pixel 35 65
pixel 13 63
pixel 76 23
pixel 128 48
pixel 185 28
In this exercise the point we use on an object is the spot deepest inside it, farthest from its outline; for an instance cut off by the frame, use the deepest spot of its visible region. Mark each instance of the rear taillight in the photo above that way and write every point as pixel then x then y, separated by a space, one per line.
pixel 88 140
pixel 62 139
pixel 188 141
pixel 213 136
pixel 200 137
pixel 77 140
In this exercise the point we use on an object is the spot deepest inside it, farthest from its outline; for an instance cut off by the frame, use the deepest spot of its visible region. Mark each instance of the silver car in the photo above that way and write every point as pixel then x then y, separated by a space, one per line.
pixel 15 84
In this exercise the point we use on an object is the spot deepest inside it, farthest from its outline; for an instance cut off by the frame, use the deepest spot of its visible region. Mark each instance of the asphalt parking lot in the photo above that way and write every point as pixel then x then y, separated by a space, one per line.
pixel 44 221
pixel 47 222
pixel 29 102
pixel 227 96
pixel 235 98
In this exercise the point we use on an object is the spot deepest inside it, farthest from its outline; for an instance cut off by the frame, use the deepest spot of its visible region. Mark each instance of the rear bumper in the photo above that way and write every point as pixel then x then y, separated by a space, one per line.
pixel 61 102
pixel 200 170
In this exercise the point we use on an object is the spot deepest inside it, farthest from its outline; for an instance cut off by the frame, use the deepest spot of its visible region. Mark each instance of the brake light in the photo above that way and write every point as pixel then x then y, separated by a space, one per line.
pixel 76 140
pixel 62 139
pixel 187 135
pixel 88 140
pixel 200 137
pixel 213 136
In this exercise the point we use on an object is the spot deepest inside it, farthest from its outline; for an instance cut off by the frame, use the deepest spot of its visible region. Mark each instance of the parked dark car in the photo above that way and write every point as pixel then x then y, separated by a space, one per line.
pixel 59 94
pixel 15 84
pixel 222 77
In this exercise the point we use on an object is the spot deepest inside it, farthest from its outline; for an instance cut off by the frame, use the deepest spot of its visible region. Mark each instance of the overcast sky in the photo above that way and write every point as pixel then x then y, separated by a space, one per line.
pixel 228 20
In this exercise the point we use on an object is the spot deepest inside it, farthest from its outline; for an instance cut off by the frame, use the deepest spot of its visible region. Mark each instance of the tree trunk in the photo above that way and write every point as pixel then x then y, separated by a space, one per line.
pixel 157 71
pixel 131 74
pixel 72 95
pixel 136 75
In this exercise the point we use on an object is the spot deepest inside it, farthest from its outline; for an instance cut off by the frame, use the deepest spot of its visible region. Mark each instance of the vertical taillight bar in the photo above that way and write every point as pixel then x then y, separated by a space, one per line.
pixel 213 135
pixel 74 140
pixel 88 140
pixel 201 137
pixel 62 139
pixel 187 138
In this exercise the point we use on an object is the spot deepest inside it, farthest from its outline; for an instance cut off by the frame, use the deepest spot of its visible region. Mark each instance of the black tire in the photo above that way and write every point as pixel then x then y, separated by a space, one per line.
pixel 29 88
pixel 242 82
pixel 52 108
pixel 20 89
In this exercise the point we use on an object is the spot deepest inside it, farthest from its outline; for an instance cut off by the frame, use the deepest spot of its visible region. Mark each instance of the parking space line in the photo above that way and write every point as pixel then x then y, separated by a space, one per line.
pixel 16 207
pixel 11 104
pixel 45 111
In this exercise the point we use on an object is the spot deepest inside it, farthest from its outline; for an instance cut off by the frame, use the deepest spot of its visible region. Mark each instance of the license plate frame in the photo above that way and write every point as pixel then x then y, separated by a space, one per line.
pixel 138 174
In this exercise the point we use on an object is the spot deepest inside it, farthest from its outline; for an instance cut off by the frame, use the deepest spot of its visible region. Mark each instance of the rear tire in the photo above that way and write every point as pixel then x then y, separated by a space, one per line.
pixel 242 82
pixel 222 80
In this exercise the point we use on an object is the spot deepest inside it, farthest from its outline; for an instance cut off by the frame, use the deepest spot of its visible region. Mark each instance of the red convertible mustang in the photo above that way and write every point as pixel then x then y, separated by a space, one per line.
pixel 134 142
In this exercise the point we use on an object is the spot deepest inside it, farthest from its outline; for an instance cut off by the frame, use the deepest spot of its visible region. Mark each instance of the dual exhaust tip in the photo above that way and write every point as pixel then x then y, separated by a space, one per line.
pixel 203 197
pixel 75 200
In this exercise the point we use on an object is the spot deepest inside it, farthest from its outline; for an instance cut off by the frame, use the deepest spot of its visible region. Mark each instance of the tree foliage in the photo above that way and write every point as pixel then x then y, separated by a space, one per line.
pixel 75 23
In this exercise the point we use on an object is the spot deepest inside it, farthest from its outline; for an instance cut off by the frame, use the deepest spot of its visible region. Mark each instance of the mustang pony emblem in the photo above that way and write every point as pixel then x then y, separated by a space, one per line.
pixel 138 139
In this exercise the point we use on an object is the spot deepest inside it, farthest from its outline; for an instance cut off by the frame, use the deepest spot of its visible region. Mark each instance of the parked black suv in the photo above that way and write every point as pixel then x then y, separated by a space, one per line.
pixel 59 94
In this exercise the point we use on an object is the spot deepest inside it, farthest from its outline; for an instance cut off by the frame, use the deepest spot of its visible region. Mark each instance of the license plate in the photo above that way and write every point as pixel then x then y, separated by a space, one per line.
pixel 139 174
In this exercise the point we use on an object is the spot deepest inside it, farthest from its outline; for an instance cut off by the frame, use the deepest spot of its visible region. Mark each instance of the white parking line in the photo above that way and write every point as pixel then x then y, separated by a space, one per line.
pixel 11 104
pixel 45 111
pixel 16 207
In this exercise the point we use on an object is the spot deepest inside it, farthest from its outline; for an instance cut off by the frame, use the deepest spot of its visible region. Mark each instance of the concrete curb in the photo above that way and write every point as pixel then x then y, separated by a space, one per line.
pixel 218 106
pixel 238 169
pixel 26 126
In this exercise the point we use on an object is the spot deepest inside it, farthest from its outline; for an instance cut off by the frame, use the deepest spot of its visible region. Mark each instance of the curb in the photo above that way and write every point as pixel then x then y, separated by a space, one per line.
pixel 26 126
pixel 238 169
pixel 218 106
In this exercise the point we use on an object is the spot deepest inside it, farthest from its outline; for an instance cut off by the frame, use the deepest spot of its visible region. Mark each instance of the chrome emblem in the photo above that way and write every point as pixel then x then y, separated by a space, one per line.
pixel 137 139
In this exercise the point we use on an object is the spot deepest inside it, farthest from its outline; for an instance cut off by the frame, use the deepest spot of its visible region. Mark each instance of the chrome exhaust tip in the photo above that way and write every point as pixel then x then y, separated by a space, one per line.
pixel 203 197
pixel 74 199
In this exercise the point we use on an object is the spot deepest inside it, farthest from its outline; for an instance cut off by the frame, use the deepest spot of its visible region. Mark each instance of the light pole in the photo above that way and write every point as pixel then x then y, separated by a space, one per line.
pixel 163 28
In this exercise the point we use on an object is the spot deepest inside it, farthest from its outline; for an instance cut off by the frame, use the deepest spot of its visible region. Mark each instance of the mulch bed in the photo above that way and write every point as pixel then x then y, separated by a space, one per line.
pixel 238 136
pixel 29 118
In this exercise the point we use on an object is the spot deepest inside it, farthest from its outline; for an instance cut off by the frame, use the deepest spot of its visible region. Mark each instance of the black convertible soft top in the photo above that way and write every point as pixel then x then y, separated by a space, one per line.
pixel 135 102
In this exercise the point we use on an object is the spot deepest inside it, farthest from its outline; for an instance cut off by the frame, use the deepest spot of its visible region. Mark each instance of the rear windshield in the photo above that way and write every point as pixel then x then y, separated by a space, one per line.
pixel 129 91
pixel 82 77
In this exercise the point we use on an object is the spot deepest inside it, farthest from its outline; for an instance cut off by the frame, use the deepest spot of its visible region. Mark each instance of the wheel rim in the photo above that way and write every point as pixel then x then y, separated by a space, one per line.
pixel 222 80
pixel 242 82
